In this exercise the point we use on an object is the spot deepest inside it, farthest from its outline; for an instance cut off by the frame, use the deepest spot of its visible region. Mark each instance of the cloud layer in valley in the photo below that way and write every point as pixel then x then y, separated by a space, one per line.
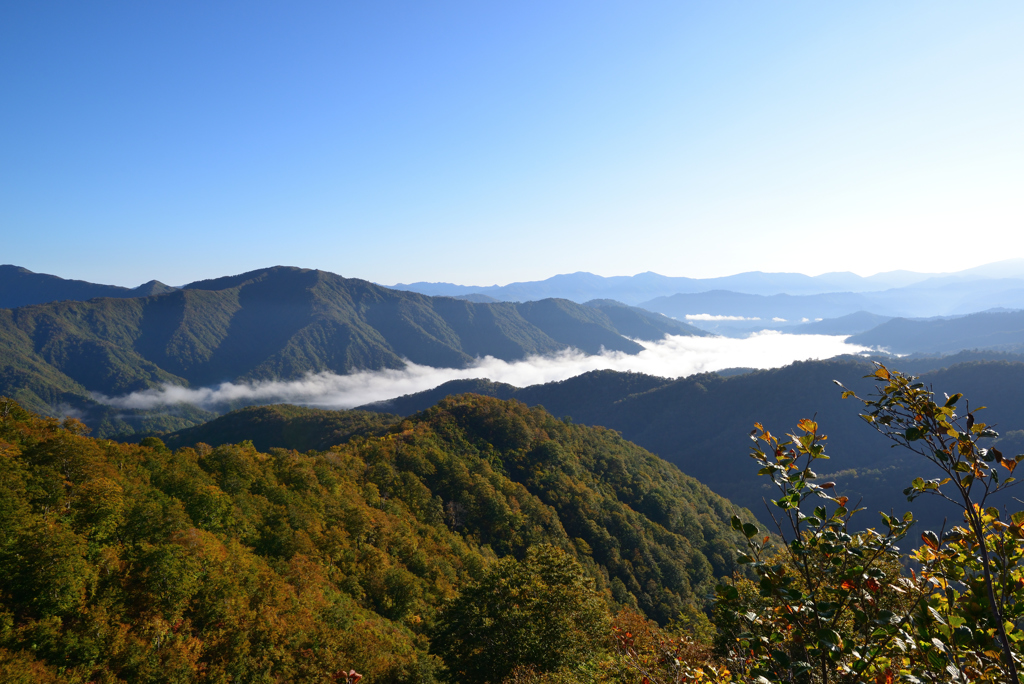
pixel 672 357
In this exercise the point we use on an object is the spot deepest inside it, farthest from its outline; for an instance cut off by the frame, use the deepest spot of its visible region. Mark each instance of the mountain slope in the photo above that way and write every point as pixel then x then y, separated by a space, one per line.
pixel 986 330
pixel 641 324
pixel 701 423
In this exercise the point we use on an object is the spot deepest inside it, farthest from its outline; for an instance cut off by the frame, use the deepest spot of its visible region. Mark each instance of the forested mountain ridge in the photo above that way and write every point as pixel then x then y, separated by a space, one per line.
pixel 204 564
pixel 21 287
pixel 278 323
pixel 283 426
pixel 701 423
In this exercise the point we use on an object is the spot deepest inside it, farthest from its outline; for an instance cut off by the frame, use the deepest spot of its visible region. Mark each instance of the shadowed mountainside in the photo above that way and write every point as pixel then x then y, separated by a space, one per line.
pixel 997 330
pixel 701 423
pixel 283 426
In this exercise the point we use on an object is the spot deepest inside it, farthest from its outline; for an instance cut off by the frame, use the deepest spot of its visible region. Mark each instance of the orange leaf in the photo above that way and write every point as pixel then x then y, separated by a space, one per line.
pixel 882 373
pixel 841 500
pixel 807 425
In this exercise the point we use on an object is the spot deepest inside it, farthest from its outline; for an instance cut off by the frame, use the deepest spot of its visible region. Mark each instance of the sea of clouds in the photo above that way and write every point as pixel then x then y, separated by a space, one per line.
pixel 673 357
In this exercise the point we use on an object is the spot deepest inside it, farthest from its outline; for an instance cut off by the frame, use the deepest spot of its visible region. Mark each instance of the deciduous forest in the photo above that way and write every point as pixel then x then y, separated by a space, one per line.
pixel 485 541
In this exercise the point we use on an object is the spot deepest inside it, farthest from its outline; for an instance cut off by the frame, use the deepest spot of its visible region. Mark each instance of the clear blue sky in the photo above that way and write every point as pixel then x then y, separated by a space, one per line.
pixel 484 143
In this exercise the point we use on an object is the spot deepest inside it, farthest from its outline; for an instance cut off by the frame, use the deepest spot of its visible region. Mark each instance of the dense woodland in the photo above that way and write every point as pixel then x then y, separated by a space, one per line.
pixel 449 537
pixel 485 541
pixel 138 563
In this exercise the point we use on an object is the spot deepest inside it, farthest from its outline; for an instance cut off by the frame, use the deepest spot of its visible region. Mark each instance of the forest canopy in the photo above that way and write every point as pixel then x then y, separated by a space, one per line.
pixel 123 562
pixel 484 541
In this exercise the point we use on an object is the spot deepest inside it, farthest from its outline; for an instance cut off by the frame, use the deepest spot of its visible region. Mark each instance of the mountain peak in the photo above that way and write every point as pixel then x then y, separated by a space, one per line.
pixel 228 282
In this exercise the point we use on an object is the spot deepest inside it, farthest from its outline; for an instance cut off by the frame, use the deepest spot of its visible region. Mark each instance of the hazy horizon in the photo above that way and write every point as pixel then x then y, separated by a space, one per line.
pixel 724 274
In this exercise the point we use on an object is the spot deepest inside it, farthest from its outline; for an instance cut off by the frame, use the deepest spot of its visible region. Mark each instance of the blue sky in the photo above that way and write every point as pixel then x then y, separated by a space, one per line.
pixel 485 143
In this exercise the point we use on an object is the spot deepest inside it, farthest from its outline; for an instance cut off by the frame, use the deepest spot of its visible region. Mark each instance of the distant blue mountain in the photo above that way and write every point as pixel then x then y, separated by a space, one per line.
pixel 943 296
pixel 582 286
pixel 643 287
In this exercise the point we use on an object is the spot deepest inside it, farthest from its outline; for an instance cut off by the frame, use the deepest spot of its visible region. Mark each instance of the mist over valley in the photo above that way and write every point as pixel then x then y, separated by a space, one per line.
pixel 671 357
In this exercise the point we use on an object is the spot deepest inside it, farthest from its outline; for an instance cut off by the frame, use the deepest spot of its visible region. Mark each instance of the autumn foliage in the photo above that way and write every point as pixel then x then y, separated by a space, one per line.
pixel 135 563
pixel 482 541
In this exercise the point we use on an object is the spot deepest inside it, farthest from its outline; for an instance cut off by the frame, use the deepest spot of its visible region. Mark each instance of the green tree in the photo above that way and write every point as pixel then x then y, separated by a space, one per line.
pixel 977 568
pixel 831 602
pixel 542 613
pixel 831 605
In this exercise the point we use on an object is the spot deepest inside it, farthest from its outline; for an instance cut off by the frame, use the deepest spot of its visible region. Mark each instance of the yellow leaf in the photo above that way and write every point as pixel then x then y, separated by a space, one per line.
pixel 882 373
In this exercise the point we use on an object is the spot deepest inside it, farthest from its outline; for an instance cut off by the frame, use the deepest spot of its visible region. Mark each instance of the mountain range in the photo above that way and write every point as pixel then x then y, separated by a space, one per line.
pixel 747 302
pixel 353 547
pixel 282 323
pixel 581 286
pixel 644 287
pixel 734 304
pixel 934 297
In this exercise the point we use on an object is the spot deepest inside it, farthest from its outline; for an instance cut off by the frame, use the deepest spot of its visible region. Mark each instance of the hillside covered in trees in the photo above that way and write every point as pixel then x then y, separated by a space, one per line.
pixel 140 563
pixel 700 423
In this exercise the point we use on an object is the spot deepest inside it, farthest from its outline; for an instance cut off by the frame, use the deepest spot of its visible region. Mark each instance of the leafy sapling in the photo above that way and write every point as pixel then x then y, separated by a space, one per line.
pixel 832 602
pixel 972 566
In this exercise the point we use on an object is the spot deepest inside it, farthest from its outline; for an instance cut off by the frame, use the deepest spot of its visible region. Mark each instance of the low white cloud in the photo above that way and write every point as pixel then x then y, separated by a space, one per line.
pixel 675 356
pixel 779 320
pixel 713 317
